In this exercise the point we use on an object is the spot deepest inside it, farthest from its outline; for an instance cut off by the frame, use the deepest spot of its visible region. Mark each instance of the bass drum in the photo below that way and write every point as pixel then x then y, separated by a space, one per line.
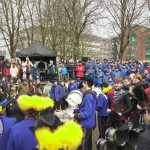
pixel 74 98
pixel 133 137
pixel 103 144
pixel 117 137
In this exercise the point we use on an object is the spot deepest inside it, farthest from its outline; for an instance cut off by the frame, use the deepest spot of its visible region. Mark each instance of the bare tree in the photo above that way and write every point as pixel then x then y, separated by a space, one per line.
pixel 80 14
pixel 123 15
pixel 10 21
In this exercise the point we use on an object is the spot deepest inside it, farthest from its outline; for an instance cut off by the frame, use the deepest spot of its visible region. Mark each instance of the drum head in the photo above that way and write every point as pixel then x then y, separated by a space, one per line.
pixel 120 138
pixel 103 144
pixel 133 137
pixel 74 98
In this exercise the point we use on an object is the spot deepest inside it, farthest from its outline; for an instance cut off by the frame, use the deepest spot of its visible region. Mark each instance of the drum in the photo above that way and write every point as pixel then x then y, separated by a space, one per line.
pixel 74 98
pixel 103 144
pixel 117 137
pixel 133 137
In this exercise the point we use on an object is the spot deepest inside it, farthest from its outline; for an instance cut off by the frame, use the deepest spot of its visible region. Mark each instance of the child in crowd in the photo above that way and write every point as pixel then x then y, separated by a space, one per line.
pixel 63 72
pixel 47 87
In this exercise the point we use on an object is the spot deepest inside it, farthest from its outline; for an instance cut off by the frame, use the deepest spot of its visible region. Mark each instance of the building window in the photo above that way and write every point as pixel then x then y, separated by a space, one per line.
pixel 132 39
pixel 147 39
pixel 147 46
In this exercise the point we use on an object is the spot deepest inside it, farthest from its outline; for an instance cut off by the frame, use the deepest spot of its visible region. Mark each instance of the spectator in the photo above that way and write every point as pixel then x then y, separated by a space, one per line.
pixel 6 72
pixel 80 70
pixel 28 62
pixel 63 72
pixel 23 88
pixel 41 67
pixel 70 68
pixel 31 87
pixel 23 71
pixel 47 87
pixel 51 70
pixel 35 72
pixel 29 69
pixel 14 72
pixel 4 83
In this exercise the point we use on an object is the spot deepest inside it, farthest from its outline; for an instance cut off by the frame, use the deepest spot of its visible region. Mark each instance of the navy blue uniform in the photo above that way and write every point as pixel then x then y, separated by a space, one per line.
pixel 86 115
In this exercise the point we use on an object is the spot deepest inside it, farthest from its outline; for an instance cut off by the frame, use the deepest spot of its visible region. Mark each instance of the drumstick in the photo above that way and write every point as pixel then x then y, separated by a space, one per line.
pixel 69 99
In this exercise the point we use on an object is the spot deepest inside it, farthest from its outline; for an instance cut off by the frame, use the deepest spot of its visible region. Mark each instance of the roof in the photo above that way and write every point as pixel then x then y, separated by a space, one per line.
pixel 37 49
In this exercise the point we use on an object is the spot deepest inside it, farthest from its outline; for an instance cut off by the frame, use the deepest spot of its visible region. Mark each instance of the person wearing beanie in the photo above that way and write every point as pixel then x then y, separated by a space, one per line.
pixel 20 137
pixel 51 134
pixel 5 122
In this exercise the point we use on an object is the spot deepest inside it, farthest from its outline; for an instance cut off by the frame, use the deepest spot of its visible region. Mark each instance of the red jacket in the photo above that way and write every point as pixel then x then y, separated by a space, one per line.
pixel 6 72
pixel 80 71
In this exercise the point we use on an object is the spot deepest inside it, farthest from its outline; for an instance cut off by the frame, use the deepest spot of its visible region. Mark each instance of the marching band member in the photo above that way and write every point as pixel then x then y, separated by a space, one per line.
pixel 86 114
pixel 56 93
pixel 72 85
pixel 119 100
pixel 5 122
pixel 51 134
pixel 20 137
pixel 101 107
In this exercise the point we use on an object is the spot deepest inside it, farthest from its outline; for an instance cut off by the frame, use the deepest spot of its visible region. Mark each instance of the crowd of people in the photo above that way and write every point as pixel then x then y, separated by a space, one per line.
pixel 24 102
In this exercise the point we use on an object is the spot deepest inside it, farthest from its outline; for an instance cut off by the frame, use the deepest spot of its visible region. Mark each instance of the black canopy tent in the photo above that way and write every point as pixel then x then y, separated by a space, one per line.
pixel 37 51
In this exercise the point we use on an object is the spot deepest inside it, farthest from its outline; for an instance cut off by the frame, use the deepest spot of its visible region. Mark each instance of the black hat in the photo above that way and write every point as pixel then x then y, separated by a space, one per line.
pixel 3 100
pixel 49 120
pixel 86 78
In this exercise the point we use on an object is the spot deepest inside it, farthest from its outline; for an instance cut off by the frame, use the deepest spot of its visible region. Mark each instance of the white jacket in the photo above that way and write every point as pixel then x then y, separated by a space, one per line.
pixel 14 71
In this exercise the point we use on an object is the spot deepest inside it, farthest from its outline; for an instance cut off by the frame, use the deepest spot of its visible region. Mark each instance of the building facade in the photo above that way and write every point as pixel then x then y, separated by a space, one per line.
pixel 139 45
pixel 101 48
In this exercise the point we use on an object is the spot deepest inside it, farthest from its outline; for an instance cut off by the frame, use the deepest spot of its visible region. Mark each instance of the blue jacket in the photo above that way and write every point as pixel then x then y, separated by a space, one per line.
pixel 21 138
pixel 56 92
pixel 72 86
pixel 112 74
pixel 99 66
pixel 35 73
pixel 117 74
pixel 105 78
pixel 91 63
pixel 100 74
pixel 63 71
pixel 7 123
pixel 124 72
pixel 104 65
pixel 87 111
pixel 102 105
pixel 91 71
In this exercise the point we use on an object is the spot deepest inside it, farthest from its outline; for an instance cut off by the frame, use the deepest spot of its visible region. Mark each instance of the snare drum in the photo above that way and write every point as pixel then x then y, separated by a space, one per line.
pixel 117 137
pixel 103 144
pixel 74 98
pixel 133 137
